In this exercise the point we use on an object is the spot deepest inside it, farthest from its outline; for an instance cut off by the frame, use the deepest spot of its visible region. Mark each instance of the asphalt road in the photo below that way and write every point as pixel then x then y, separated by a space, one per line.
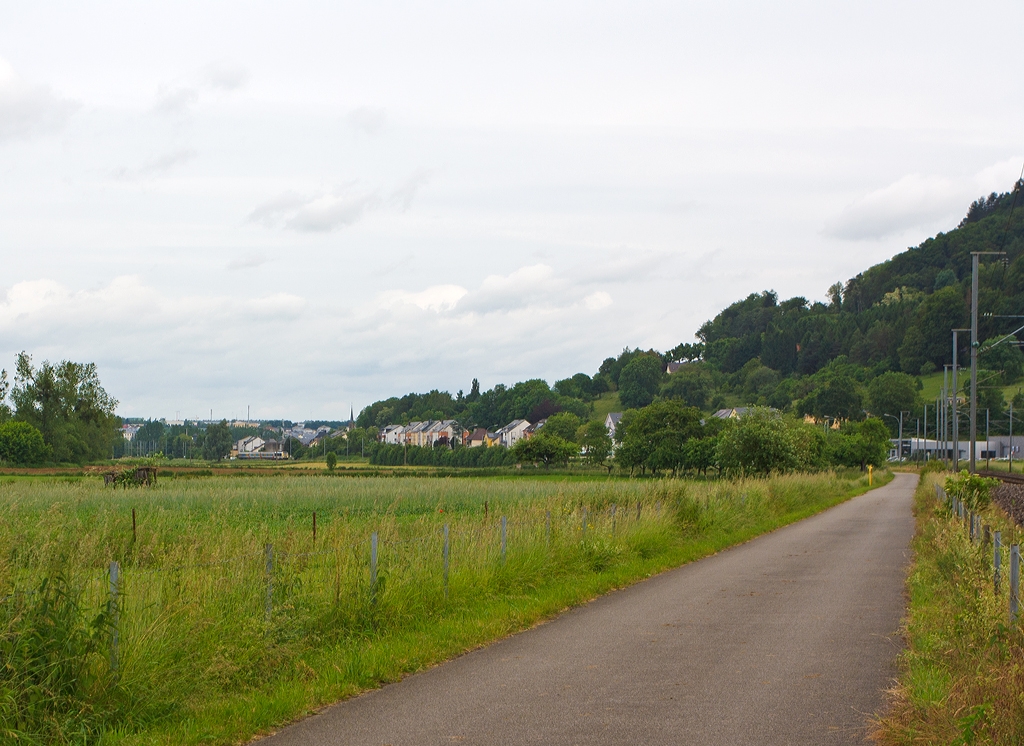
pixel 788 639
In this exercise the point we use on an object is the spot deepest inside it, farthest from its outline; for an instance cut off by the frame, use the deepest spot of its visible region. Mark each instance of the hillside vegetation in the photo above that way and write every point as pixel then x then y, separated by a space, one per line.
pixel 862 353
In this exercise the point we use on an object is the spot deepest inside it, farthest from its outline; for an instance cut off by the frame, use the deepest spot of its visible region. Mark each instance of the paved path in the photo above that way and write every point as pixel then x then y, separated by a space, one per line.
pixel 788 639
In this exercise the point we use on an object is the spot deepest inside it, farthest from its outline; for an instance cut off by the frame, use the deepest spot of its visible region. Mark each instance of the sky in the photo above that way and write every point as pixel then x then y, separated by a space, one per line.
pixel 300 207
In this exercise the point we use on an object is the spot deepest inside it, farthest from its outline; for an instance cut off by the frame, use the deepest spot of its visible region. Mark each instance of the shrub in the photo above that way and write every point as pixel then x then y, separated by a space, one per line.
pixel 21 444
pixel 972 490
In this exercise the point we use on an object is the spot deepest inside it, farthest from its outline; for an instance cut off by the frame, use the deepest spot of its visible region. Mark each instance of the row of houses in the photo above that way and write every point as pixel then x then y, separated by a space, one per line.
pixel 447 432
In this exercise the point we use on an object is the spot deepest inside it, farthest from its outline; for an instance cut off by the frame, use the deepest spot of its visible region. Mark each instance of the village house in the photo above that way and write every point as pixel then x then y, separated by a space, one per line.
pixel 250 444
pixel 415 433
pixel 477 438
pixel 532 429
pixel 513 432
pixel 730 413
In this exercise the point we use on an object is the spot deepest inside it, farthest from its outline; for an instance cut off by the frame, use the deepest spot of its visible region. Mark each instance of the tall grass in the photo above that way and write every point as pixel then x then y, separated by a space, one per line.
pixel 962 673
pixel 202 656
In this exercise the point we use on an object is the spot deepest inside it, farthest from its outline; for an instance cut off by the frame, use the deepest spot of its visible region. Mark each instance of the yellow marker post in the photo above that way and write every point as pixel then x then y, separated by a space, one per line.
pixel 870 475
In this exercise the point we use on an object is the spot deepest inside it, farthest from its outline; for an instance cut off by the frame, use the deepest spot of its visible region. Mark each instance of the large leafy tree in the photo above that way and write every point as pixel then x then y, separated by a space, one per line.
pixel 68 405
pixel 1004 356
pixel 217 443
pixel 860 444
pixel 639 381
pixel 593 437
pixel 891 393
pixel 702 453
pixel 692 384
pixel 836 395
pixel 940 312
pixel 655 437
pixel 563 424
pixel 545 449
pixel 760 442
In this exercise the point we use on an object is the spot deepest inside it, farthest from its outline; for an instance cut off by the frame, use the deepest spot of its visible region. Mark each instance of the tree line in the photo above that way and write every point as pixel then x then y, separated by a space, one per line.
pixel 55 413
pixel 860 354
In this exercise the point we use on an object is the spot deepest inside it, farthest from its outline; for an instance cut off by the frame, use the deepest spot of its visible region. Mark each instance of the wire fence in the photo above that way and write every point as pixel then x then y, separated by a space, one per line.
pixel 977 532
pixel 287 594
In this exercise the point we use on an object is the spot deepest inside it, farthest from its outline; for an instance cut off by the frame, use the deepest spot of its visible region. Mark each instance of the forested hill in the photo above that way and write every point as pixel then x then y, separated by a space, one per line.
pixel 864 350
pixel 896 315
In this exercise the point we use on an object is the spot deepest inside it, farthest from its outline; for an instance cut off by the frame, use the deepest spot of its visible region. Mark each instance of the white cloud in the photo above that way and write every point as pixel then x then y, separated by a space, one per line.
pixel 340 208
pixel 999 176
pixel 159 165
pixel 534 285
pixel 332 211
pixel 913 201
pixel 367 119
pixel 534 288
pixel 225 76
pixel 271 212
pixel 435 298
pixel 175 99
pixel 916 201
pixel 27 110
pixel 597 301
pixel 48 313
pixel 248 261
pixel 403 196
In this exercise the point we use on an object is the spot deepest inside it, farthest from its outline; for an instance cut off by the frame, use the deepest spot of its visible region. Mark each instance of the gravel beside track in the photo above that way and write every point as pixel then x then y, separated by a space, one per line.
pixel 1010 497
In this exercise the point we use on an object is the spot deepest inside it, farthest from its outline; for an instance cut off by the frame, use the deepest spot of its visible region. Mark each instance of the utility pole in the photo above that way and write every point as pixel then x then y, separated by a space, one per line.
pixel 945 412
pixel 901 436
pixel 974 349
pixel 956 391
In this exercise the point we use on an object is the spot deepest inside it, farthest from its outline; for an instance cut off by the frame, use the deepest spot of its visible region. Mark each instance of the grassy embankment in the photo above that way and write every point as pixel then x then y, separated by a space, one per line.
pixel 201 658
pixel 605 404
pixel 962 677
pixel 932 387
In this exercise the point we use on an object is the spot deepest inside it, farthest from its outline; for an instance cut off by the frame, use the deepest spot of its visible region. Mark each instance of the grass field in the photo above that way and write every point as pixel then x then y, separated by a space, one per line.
pixel 932 386
pixel 606 403
pixel 212 637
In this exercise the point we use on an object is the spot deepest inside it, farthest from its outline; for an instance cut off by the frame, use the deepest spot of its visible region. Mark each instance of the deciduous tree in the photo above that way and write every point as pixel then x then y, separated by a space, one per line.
pixel 68 405
pixel 217 443
pixel 639 380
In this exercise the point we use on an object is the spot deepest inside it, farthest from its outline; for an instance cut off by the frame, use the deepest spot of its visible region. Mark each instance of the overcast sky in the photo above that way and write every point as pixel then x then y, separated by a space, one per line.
pixel 298 206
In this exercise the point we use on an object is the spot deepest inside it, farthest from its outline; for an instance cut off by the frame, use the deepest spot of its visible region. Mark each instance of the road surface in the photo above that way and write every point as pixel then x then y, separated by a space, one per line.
pixel 787 639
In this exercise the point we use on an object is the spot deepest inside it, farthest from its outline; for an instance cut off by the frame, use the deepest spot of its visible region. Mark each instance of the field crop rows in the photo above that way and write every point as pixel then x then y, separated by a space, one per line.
pixel 223 588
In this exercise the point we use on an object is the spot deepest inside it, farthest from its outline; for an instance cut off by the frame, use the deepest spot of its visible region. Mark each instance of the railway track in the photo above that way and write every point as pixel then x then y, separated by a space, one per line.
pixel 1002 476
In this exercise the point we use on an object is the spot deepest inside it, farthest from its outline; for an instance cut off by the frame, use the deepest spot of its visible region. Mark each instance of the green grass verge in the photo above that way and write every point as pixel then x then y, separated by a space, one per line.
pixel 962 672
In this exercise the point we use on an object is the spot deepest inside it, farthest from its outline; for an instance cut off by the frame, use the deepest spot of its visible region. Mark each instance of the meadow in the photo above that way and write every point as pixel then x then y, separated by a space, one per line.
pixel 227 615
